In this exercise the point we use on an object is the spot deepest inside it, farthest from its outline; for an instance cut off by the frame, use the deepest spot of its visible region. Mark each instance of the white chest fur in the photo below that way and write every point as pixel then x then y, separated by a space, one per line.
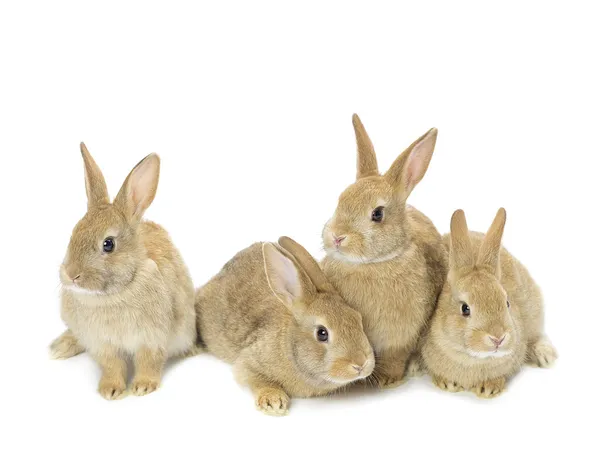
pixel 138 316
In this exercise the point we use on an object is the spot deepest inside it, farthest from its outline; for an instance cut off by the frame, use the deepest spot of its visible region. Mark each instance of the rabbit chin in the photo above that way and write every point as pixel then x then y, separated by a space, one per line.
pixel 489 354
pixel 83 291
pixel 339 381
pixel 349 258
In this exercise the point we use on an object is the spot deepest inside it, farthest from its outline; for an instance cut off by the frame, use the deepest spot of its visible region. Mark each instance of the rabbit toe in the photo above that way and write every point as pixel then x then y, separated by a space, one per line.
pixel 447 385
pixel 273 402
pixel 542 353
pixel 144 386
pixel 490 388
pixel 112 389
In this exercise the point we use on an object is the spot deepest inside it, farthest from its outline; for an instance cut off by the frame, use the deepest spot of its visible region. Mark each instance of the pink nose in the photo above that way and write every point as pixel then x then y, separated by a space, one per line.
pixel 497 341
pixel 70 274
pixel 338 240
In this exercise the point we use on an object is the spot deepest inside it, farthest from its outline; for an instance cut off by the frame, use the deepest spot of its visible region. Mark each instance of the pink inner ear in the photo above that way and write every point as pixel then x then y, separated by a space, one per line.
pixel 135 197
pixel 142 183
pixel 136 194
pixel 282 275
pixel 289 278
pixel 414 166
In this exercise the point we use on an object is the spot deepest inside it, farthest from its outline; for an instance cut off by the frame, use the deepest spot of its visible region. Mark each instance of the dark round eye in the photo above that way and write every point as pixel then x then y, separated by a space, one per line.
pixel 377 214
pixel 507 304
pixel 322 334
pixel 108 245
pixel 466 311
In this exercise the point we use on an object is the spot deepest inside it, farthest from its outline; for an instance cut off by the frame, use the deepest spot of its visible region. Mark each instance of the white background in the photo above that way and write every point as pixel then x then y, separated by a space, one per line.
pixel 250 108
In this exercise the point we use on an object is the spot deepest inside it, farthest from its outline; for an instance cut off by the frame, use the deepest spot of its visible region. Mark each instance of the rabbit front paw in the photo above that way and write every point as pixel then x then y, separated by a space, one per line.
pixel 386 381
pixel 542 353
pixel 111 388
pixel 490 388
pixel 272 401
pixel 446 385
pixel 143 386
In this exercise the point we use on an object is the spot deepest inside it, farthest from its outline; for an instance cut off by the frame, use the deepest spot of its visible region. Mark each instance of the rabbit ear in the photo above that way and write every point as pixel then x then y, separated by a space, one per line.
pixel 366 160
pixel 139 187
pixel 461 249
pixel 410 167
pixel 282 275
pixel 95 186
pixel 489 252
pixel 310 266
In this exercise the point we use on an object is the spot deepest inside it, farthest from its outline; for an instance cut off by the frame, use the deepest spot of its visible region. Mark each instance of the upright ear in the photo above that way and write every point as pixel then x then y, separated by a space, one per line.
pixel 310 266
pixel 282 275
pixel 461 249
pixel 366 161
pixel 409 168
pixel 139 188
pixel 95 186
pixel 489 252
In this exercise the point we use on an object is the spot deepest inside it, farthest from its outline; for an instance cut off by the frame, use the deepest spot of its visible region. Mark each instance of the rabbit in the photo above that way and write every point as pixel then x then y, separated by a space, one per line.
pixel 272 313
pixel 386 258
pixel 125 290
pixel 489 318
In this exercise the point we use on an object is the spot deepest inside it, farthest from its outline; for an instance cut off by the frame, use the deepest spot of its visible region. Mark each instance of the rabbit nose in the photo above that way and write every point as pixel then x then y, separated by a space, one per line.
pixel 359 368
pixel 497 341
pixel 72 274
pixel 338 240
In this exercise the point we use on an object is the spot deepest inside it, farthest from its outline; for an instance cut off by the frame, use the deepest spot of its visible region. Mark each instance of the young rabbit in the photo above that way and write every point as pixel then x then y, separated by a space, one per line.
pixel 489 318
pixel 125 289
pixel 273 314
pixel 386 258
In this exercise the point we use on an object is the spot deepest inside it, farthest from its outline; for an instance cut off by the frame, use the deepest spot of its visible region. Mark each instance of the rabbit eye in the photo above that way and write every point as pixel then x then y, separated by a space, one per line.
pixel 108 245
pixel 377 214
pixel 322 334
pixel 465 309
pixel 507 304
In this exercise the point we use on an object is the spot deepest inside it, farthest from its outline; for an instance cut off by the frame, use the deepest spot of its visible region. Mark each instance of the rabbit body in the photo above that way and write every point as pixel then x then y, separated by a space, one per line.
pixel 126 292
pixel 397 297
pixel 155 311
pixel 265 326
pixel 489 319
pixel 386 258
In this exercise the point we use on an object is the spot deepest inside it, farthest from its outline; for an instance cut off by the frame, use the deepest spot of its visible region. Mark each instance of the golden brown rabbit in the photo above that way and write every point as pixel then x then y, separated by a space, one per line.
pixel 125 289
pixel 386 258
pixel 272 314
pixel 489 319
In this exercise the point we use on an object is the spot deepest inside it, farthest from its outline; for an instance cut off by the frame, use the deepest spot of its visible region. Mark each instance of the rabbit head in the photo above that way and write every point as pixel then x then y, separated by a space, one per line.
pixel 369 223
pixel 327 337
pixel 476 309
pixel 105 250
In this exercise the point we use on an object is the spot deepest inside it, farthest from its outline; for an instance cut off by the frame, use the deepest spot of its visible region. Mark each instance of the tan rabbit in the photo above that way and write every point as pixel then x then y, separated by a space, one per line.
pixel 489 319
pixel 386 258
pixel 125 289
pixel 272 314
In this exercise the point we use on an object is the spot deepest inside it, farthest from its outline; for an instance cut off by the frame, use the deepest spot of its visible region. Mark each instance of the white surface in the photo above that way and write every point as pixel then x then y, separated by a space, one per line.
pixel 250 109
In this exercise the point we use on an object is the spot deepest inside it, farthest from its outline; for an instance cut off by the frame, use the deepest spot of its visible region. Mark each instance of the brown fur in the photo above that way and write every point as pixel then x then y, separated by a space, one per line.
pixel 136 301
pixel 390 271
pixel 261 312
pixel 485 276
